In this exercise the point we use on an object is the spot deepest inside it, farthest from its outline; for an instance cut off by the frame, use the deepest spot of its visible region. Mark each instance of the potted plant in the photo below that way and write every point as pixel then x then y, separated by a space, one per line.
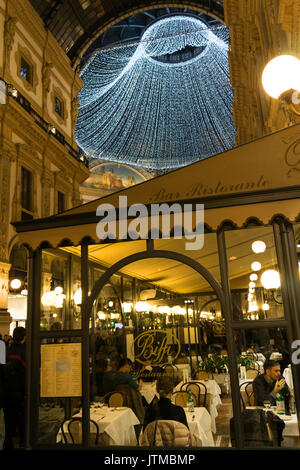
pixel 245 361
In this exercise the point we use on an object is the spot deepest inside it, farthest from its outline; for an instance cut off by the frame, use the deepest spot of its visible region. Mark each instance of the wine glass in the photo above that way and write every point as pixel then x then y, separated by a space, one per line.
pixel 267 404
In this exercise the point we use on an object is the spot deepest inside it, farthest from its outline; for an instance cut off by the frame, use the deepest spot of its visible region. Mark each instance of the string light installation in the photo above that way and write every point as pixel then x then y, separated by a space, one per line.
pixel 161 103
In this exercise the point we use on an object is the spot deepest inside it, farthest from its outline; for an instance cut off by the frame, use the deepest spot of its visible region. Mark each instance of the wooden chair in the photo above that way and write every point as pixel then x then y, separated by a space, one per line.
pixel 202 375
pixel 251 373
pixel 116 398
pixel 180 398
pixel 247 394
pixel 198 389
pixel 75 431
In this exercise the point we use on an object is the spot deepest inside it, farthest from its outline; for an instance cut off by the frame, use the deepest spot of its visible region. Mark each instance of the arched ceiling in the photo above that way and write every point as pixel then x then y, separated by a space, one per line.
pixel 77 23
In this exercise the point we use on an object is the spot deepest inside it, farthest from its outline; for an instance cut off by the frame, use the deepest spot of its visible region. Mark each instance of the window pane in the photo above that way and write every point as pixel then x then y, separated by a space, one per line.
pixel 253 274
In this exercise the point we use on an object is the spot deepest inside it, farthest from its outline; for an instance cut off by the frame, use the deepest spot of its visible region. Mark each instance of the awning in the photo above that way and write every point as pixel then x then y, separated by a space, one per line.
pixel 257 180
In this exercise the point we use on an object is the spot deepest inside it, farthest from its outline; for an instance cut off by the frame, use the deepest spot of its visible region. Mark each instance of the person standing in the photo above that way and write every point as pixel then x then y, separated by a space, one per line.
pixel 14 389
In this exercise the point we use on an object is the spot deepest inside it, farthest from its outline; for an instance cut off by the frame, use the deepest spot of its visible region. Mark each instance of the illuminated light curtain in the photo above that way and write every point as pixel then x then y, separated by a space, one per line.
pixel 139 107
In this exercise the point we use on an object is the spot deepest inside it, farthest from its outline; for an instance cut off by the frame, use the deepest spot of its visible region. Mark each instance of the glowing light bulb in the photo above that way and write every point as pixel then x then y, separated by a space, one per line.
pixel 258 246
pixel 253 277
pixel 256 266
pixel 270 279
pixel 281 74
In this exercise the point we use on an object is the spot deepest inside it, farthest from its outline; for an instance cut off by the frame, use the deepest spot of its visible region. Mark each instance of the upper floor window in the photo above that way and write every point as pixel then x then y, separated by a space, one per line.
pixel 26 192
pixel 58 106
pixel 60 201
pixel 26 70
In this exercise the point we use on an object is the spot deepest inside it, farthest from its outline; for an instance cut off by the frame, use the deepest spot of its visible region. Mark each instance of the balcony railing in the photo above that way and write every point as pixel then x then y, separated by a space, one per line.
pixel 46 126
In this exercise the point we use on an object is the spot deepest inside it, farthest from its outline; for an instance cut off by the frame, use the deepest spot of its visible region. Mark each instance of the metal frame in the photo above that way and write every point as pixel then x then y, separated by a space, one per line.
pixel 285 244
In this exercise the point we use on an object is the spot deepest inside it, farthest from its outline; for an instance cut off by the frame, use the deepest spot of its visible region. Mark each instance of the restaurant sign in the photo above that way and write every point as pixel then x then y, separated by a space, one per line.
pixel 156 347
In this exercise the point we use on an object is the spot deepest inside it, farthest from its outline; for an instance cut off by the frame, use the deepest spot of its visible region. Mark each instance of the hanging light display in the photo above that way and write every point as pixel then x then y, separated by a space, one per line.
pixel 270 279
pixel 161 103
pixel 256 266
pixel 258 246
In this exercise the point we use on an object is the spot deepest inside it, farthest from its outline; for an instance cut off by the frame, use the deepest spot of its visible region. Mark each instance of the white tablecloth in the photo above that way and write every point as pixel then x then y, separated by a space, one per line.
pixel 199 422
pixel 116 426
pixel 213 397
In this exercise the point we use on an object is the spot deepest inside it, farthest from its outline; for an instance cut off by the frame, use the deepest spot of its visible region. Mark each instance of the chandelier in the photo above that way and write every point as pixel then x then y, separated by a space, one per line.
pixel 163 102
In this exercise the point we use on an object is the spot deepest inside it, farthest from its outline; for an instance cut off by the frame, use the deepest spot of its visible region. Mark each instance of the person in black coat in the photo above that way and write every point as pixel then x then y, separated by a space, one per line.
pixel 265 386
pixel 163 408
pixel 14 389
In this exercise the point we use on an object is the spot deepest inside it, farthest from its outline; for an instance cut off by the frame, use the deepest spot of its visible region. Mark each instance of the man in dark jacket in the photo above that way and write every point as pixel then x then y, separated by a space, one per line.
pixel 265 386
pixel 14 389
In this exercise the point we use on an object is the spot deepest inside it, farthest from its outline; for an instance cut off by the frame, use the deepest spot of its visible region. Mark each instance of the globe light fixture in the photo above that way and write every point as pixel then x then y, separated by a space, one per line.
pixel 127 307
pixel 256 266
pixel 78 297
pixel 258 246
pixel 252 284
pixel 58 290
pixel 281 80
pixel 266 307
pixel 142 307
pixel 253 277
pixel 270 279
pixel 49 299
pixel 251 290
pixel 15 284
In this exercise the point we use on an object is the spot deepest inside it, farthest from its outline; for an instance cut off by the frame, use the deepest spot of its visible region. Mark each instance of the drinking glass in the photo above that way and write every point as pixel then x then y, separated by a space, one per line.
pixel 267 404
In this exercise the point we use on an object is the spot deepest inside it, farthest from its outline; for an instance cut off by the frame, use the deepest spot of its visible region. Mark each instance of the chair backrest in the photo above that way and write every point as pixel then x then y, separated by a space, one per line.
pixel 135 401
pixel 75 431
pixel 251 373
pixel 198 389
pixel 247 394
pixel 180 398
pixel 116 398
pixel 202 375
pixel 166 433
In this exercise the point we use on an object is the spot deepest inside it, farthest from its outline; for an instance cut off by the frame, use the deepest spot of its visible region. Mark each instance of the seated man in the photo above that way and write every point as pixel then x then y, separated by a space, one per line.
pixel 265 386
pixel 123 376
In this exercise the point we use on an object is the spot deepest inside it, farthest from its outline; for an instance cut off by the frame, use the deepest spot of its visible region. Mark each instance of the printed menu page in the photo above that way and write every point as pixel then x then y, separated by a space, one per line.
pixel 61 370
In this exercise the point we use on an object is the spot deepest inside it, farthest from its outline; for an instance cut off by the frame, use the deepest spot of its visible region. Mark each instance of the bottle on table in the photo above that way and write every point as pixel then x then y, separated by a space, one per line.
pixel 292 402
pixel 280 405
pixel 190 402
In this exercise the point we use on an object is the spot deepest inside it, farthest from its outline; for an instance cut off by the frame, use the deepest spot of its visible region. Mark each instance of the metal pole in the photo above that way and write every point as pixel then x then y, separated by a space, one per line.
pixel 288 267
pixel 85 347
pixel 189 337
pixel 33 349
pixel 233 371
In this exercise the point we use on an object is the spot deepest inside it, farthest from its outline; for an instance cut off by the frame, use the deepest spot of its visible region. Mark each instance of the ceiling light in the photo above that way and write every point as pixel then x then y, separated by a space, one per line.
pixel 258 246
pixel 266 307
pixel 256 266
pixel 15 284
pixel 252 284
pixel 253 277
pixel 270 279
pixel 58 290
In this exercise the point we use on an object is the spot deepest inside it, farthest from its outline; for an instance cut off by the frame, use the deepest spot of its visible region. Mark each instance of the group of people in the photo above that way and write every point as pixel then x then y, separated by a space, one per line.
pixel 265 388
pixel 12 390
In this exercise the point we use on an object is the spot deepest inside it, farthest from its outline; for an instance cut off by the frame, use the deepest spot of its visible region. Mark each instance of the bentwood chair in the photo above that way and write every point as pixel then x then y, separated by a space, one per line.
pixel 75 431
pixel 199 389
pixel 116 398
pixel 251 373
pixel 247 394
pixel 180 398
pixel 202 375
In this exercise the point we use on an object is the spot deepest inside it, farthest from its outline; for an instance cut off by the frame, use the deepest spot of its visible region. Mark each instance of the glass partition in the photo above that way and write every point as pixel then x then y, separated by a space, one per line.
pixel 253 274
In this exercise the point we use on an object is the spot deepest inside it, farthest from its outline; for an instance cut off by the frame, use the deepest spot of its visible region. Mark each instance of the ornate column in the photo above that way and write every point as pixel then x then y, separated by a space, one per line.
pixel 5 318
pixel 9 33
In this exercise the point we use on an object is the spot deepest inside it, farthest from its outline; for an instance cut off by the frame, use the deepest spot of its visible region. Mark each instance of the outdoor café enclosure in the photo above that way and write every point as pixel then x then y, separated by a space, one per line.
pixel 209 316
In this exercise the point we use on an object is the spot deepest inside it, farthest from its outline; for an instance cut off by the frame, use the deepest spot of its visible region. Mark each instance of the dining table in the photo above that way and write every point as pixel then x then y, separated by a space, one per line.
pixel 213 399
pixel 200 425
pixel 116 425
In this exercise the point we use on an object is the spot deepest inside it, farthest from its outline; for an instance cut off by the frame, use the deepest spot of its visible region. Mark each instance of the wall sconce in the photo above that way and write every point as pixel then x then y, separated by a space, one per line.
pixel 78 297
pixel 281 80
pixel 15 284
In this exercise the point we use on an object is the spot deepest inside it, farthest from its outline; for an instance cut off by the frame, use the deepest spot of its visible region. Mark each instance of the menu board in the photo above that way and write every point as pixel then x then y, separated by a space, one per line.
pixel 61 370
